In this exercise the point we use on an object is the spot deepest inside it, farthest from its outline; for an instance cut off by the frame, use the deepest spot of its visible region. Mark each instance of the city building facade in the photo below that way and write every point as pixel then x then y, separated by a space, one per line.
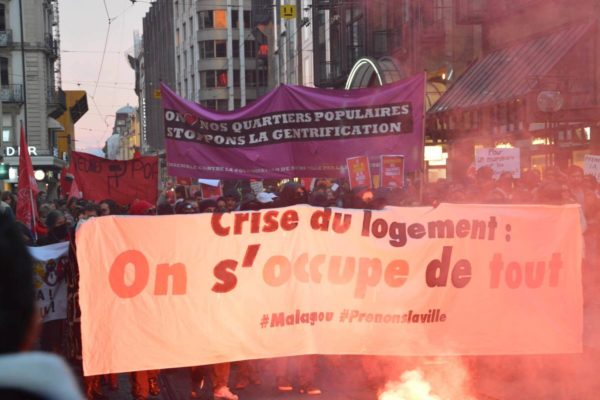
pixel 31 91
pixel 534 88
pixel 156 64
pixel 124 143
pixel 216 58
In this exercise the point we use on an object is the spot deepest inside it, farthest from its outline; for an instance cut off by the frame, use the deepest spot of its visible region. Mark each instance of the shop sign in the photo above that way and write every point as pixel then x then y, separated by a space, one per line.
pixel 288 12
pixel 15 151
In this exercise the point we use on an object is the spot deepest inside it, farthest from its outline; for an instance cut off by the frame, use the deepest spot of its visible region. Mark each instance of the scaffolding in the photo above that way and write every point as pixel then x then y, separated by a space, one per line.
pixel 55 30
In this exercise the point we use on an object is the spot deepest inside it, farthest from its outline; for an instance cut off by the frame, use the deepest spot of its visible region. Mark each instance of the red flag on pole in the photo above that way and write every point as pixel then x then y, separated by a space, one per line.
pixel 28 189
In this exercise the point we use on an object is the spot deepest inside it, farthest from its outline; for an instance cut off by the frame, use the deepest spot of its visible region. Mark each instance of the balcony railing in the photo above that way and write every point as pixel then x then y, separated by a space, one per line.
pixel 57 102
pixel 5 38
pixel 51 46
pixel 11 93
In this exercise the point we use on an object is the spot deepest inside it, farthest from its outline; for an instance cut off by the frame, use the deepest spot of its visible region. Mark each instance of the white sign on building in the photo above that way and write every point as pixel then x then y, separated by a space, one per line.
pixel 591 165
pixel 15 151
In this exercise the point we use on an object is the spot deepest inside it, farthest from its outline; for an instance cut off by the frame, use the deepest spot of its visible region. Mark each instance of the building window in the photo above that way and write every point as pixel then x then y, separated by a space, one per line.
pixel 207 49
pixel 205 19
pixel 222 105
pixel 250 78
pixel 220 19
pixel 209 104
pixel 2 18
pixel 249 51
pixel 192 59
pixel 235 19
pixel 184 32
pixel 236 48
pixel 193 87
pixel 222 78
pixel 220 48
pixel 3 71
pixel 262 78
pixel 207 79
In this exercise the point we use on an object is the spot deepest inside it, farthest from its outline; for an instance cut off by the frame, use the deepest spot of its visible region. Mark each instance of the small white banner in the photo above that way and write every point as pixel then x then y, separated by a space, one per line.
pixel 500 160
pixel 591 165
pixel 49 272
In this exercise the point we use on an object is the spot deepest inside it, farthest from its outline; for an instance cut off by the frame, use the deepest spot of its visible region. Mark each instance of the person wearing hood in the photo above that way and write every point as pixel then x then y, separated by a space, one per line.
pixel 58 229
pixel 25 374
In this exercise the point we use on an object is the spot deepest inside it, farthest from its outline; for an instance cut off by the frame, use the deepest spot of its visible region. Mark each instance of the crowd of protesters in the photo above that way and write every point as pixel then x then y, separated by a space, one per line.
pixel 59 219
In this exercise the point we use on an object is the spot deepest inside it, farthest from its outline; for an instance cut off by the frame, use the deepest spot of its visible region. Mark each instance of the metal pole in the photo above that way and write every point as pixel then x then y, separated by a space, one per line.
pixel 278 41
pixel 242 51
pixel 299 41
pixel 230 91
pixel 23 69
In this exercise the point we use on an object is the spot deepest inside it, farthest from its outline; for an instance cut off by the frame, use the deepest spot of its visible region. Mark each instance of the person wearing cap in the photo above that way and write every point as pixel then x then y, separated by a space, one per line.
pixel 185 207
pixel 141 207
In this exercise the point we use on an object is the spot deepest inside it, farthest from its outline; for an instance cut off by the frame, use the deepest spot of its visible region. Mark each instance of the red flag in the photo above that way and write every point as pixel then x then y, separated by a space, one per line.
pixel 28 189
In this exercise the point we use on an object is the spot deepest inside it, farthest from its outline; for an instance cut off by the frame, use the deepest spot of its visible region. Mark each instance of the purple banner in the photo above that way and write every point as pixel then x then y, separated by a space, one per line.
pixel 295 131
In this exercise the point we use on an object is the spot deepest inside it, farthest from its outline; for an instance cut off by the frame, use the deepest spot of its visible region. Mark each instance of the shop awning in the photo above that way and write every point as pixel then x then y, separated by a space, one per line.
pixel 510 72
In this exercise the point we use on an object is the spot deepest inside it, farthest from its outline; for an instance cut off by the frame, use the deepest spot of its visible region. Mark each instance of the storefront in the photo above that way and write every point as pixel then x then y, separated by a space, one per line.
pixel 535 95
pixel 46 169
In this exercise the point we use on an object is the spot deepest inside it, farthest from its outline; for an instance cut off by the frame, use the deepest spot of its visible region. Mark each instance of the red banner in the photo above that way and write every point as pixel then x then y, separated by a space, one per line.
pixel 121 181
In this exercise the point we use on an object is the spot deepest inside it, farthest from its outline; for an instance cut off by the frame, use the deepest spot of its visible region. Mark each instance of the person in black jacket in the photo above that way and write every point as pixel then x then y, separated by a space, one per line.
pixel 25 375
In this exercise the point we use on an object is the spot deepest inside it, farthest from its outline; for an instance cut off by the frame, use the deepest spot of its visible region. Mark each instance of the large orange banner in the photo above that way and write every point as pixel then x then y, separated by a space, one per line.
pixel 182 290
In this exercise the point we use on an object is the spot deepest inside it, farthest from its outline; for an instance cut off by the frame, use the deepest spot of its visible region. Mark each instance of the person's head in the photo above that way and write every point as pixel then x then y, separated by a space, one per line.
pixel 72 203
pixel 185 207
pixel 164 208
pixel 293 193
pixel 232 199
pixel 57 225
pixel 575 176
pixel 45 209
pixel 89 211
pixel 108 207
pixel 17 308
pixel 141 207
pixel 505 181
pixel 42 196
pixel 180 192
pixel 221 204
pixel 485 176
pixel 7 197
pixel 207 206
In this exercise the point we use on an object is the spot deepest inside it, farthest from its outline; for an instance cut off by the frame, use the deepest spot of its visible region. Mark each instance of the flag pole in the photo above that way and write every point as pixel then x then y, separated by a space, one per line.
pixel 33 227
